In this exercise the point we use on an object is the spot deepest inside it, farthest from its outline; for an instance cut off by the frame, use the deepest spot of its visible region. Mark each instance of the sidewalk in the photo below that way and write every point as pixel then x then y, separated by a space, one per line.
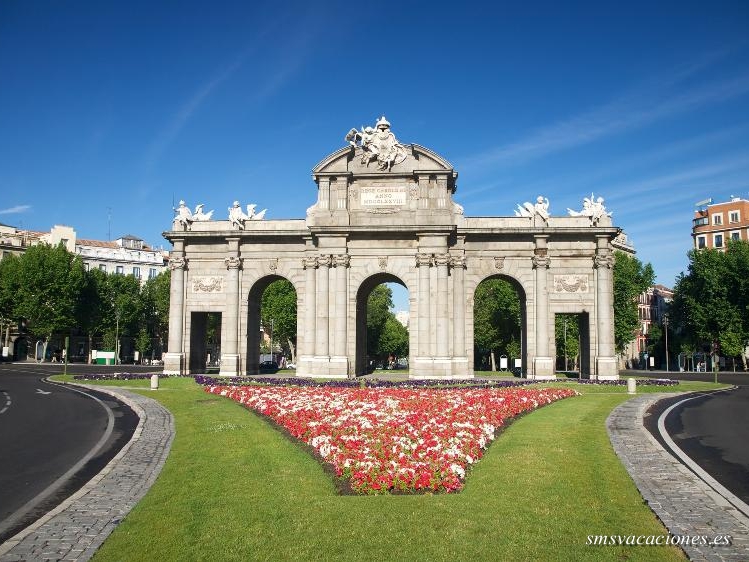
pixel 682 501
pixel 76 528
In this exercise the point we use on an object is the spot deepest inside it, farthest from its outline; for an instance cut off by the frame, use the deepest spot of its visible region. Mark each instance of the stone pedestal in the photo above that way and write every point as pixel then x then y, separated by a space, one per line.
pixel 229 365
pixel 174 364
pixel 543 368
pixel 607 369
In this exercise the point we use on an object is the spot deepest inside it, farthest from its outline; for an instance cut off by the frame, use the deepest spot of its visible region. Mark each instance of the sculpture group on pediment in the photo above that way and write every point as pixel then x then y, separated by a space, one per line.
pixel 540 208
pixel 378 143
pixel 237 216
pixel 593 208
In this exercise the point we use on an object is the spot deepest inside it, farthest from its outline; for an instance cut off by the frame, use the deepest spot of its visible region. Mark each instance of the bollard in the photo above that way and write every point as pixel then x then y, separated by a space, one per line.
pixel 154 382
pixel 631 386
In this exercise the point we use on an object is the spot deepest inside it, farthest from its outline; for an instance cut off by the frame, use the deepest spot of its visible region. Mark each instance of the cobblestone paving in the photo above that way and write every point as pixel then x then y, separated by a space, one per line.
pixel 77 527
pixel 685 504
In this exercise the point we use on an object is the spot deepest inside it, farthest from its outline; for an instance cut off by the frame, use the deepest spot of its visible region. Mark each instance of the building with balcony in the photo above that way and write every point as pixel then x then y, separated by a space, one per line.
pixel 714 224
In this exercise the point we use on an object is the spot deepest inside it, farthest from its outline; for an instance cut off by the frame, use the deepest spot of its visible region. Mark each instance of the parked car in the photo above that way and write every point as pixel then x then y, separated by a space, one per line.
pixel 268 367
pixel 291 365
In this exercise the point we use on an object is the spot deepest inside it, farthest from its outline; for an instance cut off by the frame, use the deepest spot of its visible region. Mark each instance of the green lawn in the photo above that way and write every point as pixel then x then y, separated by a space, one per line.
pixel 234 488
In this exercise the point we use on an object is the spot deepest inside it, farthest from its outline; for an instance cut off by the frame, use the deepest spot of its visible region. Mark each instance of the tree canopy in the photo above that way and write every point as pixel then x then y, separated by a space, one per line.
pixel 631 278
pixel 711 302
pixel 497 321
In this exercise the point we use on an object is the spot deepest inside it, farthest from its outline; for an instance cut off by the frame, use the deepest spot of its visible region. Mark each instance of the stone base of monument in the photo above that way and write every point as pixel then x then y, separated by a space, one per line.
pixel 439 368
pixel 229 365
pixel 322 366
pixel 174 363
pixel 607 369
pixel 543 369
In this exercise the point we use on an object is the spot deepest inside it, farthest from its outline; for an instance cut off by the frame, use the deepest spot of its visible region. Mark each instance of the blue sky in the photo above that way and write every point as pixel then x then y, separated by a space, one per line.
pixel 111 112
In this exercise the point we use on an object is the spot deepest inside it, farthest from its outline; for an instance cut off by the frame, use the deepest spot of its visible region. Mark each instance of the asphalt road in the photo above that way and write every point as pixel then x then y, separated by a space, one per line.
pixel 53 439
pixel 712 429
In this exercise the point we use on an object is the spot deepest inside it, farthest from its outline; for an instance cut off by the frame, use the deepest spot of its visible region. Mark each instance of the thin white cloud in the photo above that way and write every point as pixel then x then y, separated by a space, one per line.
pixel 635 110
pixel 15 210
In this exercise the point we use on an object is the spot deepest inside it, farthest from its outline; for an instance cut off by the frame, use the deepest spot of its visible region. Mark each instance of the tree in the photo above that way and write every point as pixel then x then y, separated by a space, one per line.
pixel 50 281
pixel 711 301
pixel 393 338
pixel 567 338
pixel 379 304
pixel 497 319
pixel 278 304
pixel 9 268
pixel 92 308
pixel 631 278
pixel 155 306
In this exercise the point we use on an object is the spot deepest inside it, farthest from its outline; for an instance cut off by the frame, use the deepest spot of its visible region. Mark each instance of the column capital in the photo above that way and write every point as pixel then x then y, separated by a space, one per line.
pixel 603 261
pixel 309 262
pixel 442 259
pixel 177 263
pixel 423 259
pixel 458 262
pixel 541 261
pixel 342 260
pixel 233 262
pixel 324 260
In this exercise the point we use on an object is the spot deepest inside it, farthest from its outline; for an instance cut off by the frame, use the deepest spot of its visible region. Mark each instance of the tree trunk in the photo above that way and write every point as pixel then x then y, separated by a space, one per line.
pixel 90 345
pixel 493 361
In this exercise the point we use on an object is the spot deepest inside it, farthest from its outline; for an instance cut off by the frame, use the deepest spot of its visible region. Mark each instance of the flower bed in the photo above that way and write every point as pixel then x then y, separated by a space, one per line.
pixel 207 380
pixel 393 439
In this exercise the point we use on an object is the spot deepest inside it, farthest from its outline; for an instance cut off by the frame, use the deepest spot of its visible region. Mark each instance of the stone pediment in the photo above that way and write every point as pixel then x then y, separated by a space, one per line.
pixel 418 160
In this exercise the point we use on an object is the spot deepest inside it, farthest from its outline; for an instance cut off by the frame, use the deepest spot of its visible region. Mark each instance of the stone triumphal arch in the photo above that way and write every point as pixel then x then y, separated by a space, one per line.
pixel 385 212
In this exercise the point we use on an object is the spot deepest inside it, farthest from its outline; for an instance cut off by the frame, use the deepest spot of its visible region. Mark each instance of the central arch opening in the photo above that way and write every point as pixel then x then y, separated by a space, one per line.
pixel 382 334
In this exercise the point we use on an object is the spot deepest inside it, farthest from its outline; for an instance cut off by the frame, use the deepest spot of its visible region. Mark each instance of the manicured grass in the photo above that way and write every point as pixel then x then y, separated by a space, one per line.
pixel 234 488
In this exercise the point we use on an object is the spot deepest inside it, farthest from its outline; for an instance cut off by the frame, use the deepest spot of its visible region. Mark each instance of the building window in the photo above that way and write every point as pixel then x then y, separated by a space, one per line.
pixel 735 235
pixel 136 272
pixel 717 240
pixel 701 242
pixel 120 270
pixel 702 221
pixel 102 267
pixel 734 216
pixel 152 273
pixel 718 218
pixel 86 266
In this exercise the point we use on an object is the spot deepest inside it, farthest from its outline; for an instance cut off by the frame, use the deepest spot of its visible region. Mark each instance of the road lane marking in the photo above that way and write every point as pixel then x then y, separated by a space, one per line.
pixel 8 402
pixel 40 391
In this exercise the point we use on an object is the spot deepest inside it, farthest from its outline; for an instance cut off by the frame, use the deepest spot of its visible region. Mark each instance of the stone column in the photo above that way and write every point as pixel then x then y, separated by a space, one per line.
pixel 543 364
pixel 323 308
pixel 309 325
pixel 441 262
pixel 459 306
pixel 424 262
pixel 230 336
pixel 606 364
pixel 174 359
pixel 339 366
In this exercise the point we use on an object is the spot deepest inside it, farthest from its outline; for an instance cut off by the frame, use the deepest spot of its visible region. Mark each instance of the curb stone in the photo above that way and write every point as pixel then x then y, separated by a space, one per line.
pixel 685 504
pixel 76 528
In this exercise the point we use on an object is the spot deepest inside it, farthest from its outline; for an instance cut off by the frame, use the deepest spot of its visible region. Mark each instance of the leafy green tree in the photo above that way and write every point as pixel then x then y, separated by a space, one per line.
pixel 393 338
pixel 50 281
pixel 711 301
pixel 567 338
pixel 155 306
pixel 379 305
pixel 143 342
pixel 278 304
pixel 92 307
pixel 631 278
pixel 9 268
pixel 497 321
